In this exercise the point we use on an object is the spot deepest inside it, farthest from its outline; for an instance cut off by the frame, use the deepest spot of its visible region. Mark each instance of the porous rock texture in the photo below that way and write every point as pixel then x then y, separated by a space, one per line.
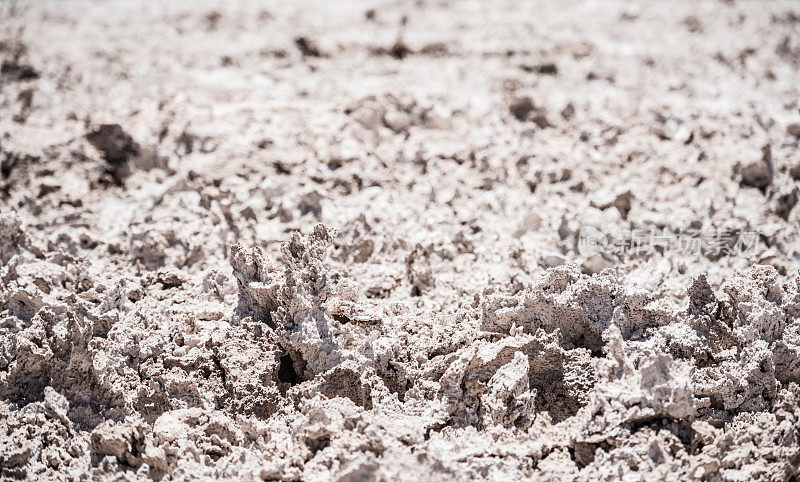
pixel 316 241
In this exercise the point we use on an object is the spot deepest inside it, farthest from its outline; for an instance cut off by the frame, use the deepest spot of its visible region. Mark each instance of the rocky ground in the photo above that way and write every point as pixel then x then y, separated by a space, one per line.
pixel 400 241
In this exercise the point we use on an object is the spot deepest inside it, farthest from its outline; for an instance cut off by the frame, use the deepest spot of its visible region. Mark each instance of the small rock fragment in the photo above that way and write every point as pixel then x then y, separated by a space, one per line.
pixel 524 109
pixel 530 222
pixel 759 174
pixel 521 107
pixel 547 68
pixel 595 264
pixel 14 70
pixel 794 171
pixel 400 50
pixel 308 47
pixel 113 142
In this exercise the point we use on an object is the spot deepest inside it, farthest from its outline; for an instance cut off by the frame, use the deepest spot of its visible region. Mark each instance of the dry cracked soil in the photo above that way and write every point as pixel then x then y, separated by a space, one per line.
pixel 395 240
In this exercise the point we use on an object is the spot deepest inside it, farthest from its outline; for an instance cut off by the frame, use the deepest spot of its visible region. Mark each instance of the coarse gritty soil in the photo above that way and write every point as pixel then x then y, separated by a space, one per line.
pixel 398 240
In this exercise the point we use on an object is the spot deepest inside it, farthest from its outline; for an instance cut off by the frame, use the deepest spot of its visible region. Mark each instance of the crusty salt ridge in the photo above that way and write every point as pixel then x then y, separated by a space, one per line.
pixel 313 242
